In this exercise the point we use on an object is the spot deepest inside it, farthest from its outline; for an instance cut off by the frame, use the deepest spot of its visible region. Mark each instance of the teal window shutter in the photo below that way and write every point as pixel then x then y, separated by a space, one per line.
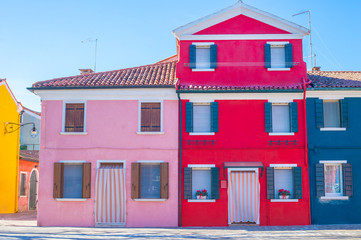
pixel 320 180
pixel 187 183
pixel 319 113
pixel 294 116
pixel 297 182
pixel 270 171
pixel 214 117
pixel 213 56
pixel 192 56
pixel 289 55
pixel 268 116
pixel 344 113
pixel 189 117
pixel 215 183
pixel 267 55
pixel 347 179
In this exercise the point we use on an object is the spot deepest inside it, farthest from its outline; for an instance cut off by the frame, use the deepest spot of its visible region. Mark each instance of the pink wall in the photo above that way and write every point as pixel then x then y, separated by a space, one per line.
pixel 111 128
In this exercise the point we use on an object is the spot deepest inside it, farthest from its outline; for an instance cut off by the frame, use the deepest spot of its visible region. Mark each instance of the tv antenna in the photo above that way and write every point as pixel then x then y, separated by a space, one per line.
pixel 96 47
pixel 309 26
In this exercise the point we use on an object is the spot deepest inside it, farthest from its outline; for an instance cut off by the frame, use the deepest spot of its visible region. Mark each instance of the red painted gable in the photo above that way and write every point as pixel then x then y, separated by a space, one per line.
pixel 242 24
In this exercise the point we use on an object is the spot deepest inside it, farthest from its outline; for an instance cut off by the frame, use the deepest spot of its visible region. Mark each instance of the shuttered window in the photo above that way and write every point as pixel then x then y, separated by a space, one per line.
pixel 278 55
pixel 281 117
pixel 201 118
pixel 331 113
pixel 150 117
pixel 150 180
pixel 284 178
pixel 22 184
pixel 203 56
pixel 72 180
pixel 198 179
pixel 74 117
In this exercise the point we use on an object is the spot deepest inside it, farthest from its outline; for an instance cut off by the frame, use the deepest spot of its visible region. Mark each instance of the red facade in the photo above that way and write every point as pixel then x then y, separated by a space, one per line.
pixel 241 85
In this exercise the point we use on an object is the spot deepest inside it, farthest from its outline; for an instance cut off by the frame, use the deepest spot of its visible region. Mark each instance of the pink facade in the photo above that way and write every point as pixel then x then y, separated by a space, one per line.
pixel 111 134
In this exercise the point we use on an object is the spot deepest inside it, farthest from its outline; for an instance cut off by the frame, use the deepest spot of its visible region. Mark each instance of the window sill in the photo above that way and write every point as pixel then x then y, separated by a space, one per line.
pixel 71 199
pixel 284 200
pixel 73 133
pixel 150 133
pixel 201 200
pixel 202 69
pixel 201 133
pixel 281 134
pixel 22 196
pixel 335 198
pixel 332 129
pixel 279 69
pixel 150 199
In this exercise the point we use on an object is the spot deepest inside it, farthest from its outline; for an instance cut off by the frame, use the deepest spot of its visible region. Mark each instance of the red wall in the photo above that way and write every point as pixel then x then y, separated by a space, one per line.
pixel 242 138
pixel 23 201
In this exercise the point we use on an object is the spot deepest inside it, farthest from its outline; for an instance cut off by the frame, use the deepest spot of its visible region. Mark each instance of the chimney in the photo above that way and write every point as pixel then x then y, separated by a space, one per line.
pixel 86 71
pixel 316 69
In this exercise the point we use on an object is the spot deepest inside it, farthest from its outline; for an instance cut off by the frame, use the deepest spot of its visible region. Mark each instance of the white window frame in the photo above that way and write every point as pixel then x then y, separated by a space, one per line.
pixel 202 133
pixel 63 118
pixel 26 177
pixel 278 44
pixel 280 133
pixel 332 128
pixel 279 167
pixel 334 196
pixel 139 132
pixel 201 167
pixel 204 45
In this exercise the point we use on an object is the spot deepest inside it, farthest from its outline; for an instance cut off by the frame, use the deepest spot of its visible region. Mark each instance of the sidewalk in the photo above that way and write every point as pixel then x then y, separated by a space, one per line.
pixel 21 216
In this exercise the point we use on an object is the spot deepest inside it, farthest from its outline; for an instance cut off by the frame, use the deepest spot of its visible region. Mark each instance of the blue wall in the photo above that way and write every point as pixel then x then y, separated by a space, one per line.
pixel 336 145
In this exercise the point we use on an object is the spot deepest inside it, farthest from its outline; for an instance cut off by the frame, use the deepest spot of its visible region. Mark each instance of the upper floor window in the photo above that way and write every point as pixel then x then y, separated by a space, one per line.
pixel 278 56
pixel 202 117
pixel 281 118
pixel 150 117
pixel 74 117
pixel 203 56
pixel 331 114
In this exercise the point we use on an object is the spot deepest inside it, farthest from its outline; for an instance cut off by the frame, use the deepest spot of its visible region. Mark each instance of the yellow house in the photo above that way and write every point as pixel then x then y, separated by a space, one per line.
pixel 10 112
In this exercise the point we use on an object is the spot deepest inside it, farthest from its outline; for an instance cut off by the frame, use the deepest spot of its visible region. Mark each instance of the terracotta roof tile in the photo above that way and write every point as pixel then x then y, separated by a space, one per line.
pixel 335 79
pixel 239 88
pixel 29 155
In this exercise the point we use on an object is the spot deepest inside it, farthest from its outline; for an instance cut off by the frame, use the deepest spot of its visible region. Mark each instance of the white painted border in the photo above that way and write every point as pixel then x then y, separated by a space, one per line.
pixel 99 162
pixel 201 133
pixel 150 133
pixel 283 165
pixel 37 186
pixel 201 200
pixel 332 94
pixel 278 69
pixel 281 134
pixel 150 199
pixel 333 161
pixel 140 111
pixel 202 43
pixel 26 178
pixel 240 37
pixel 332 129
pixel 247 170
pixel 71 199
pixel 278 43
pixel 201 165
pixel 334 198
pixel 64 110
pixel 73 161
pixel 284 200
pixel 203 69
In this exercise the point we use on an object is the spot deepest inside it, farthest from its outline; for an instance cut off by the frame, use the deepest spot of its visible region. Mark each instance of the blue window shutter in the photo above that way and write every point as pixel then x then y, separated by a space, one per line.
pixel 214 117
pixel 187 183
pixel 215 183
pixel 268 116
pixel 192 56
pixel 319 113
pixel 320 180
pixel 297 183
pixel 189 117
pixel 289 55
pixel 270 182
pixel 267 55
pixel 347 179
pixel 294 116
pixel 344 113
pixel 213 56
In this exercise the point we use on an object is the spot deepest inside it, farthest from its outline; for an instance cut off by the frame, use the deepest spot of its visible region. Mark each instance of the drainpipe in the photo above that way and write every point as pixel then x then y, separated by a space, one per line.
pixel 180 162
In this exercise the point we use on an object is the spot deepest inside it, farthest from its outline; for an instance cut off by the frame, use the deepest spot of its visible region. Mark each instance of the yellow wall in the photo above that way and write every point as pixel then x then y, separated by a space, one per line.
pixel 9 150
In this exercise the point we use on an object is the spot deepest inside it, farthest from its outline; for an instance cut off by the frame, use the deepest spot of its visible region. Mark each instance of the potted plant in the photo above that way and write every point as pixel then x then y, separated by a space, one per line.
pixel 284 194
pixel 202 194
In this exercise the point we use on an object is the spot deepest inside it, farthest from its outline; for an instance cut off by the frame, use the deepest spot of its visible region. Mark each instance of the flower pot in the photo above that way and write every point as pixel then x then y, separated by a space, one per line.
pixel 204 197
pixel 198 197
pixel 284 196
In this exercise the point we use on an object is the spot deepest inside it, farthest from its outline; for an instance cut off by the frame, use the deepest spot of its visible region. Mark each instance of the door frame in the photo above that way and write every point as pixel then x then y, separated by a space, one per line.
pixel 125 191
pixel 37 188
pixel 244 170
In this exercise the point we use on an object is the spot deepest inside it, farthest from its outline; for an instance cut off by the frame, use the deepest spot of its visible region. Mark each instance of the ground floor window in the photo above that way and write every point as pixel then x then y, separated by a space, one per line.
pixel 22 184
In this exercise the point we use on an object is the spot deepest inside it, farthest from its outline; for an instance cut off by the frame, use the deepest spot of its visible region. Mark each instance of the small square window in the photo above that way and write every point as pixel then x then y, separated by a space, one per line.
pixel 203 57
pixel 280 118
pixel 201 179
pixel 333 180
pixel 331 113
pixel 73 181
pixel 150 181
pixel 202 118
pixel 283 180
pixel 278 56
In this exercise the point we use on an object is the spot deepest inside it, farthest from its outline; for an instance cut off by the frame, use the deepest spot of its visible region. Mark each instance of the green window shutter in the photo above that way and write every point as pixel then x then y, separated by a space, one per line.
pixel 267 55
pixel 297 182
pixel 213 56
pixel 270 183
pixel 192 56
pixel 347 179
pixel 189 117
pixel 344 113
pixel 214 117
pixel 319 113
pixel 289 55
pixel 215 183
pixel 320 180
pixel 268 116
pixel 187 183
pixel 294 116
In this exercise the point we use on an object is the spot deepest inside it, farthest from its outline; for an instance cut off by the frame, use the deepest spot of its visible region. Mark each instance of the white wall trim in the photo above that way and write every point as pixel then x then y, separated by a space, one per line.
pixel 99 162
pixel 150 199
pixel 150 133
pixel 201 165
pixel 283 165
pixel 332 129
pixel 333 161
pixel 64 111
pixel 281 134
pixel 284 200
pixel 278 69
pixel 72 161
pixel 278 43
pixel 334 198
pixel 201 133
pixel 71 199
pixel 202 43
pixel 203 69
pixel 332 94
pixel 140 113
pixel 150 161
pixel 240 37
pixel 201 200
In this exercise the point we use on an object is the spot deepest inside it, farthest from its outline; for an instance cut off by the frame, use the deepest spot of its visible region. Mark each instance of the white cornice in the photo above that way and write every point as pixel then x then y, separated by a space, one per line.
pixel 108 94
pixel 332 94
pixel 241 37
pixel 235 10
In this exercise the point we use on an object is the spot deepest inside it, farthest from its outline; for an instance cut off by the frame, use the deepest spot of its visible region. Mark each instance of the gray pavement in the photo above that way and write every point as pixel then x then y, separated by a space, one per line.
pixel 27 229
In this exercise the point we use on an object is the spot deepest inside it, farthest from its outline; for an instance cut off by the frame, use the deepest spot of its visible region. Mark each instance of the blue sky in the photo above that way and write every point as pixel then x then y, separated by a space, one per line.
pixel 41 39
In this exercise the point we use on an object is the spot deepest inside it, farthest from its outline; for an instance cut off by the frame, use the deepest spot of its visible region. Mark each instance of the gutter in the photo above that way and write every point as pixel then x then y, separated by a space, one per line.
pixel 180 162
pixel 306 141
pixel 239 91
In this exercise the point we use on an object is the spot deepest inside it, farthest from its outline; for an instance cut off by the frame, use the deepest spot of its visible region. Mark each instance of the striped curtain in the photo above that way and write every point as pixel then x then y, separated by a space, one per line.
pixel 110 196
pixel 243 197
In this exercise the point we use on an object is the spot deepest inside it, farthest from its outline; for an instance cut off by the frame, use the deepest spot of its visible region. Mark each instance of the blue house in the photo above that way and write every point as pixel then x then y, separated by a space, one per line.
pixel 334 146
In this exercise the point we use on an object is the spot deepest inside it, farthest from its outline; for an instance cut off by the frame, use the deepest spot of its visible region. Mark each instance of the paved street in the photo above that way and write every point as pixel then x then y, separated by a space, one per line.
pixel 27 229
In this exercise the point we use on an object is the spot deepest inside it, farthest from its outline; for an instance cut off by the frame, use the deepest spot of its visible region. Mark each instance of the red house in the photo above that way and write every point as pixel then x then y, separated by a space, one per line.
pixel 242 120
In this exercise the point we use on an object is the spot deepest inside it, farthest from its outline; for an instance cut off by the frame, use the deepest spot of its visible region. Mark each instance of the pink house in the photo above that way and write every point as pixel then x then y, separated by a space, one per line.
pixel 108 149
